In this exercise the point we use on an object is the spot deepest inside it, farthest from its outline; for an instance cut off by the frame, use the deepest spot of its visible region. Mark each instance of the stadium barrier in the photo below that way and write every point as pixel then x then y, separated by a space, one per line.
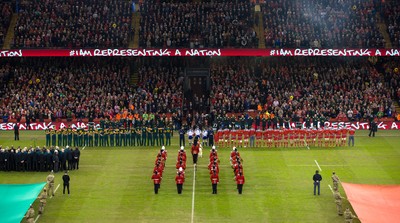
pixel 198 52
pixel 382 125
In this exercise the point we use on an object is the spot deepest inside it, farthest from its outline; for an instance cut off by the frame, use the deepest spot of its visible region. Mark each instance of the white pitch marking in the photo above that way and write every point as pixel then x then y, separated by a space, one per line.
pixel 37 217
pixel 83 147
pixel 56 190
pixel 330 188
pixel 318 165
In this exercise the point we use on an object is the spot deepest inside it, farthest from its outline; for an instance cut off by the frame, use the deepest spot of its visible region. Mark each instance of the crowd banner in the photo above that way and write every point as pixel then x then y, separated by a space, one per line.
pixel 383 125
pixel 201 52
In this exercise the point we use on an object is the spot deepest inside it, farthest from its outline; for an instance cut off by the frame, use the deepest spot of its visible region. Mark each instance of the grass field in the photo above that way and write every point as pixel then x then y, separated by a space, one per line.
pixel 114 185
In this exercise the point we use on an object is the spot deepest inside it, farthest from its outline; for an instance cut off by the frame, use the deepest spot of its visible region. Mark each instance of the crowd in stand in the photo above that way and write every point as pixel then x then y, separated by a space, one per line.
pixel 392 16
pixel 159 88
pixel 297 87
pixel 326 24
pixel 66 88
pixel 39 159
pixel 221 23
pixel 6 13
pixel 345 89
pixel 78 23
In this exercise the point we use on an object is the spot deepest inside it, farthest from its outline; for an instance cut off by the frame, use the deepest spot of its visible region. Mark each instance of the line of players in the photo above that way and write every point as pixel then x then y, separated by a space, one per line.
pixel 158 170
pixel 92 137
pixel 282 137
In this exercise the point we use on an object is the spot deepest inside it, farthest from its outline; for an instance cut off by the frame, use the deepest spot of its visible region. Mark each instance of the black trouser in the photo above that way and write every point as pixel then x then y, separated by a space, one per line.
pixel 66 186
pixel 240 188
pixel 16 136
pixel 181 141
pixel 214 188
pixel 179 187
pixel 156 187
pixel 210 140
pixel 195 158
pixel 371 132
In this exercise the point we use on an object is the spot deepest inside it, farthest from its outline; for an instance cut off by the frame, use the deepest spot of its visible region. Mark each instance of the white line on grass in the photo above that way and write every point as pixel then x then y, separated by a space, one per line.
pixel 194 186
pixel 330 188
pixel 318 165
pixel 56 190
pixel 37 217
pixel 83 147
pixel 305 143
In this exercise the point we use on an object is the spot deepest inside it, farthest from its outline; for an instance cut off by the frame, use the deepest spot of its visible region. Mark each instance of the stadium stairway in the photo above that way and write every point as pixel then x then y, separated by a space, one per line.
pixel 10 32
pixel 259 27
pixel 134 43
pixel 383 30
pixel 397 107
pixel 134 78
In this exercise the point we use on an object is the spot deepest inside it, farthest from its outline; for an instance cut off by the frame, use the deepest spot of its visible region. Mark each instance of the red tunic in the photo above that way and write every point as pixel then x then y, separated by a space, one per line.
pixel 195 149
pixel 239 179
pixel 156 178
pixel 214 178
pixel 179 179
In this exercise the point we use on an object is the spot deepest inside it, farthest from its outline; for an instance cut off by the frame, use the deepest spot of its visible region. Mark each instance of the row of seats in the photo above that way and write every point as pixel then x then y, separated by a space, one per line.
pixel 219 23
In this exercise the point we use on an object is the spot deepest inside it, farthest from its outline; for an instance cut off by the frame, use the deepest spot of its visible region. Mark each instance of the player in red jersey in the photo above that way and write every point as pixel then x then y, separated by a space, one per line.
pixel 320 137
pixel 301 137
pixel 233 135
pixel 239 138
pixel 338 137
pixel 246 137
pixel 286 136
pixel 259 134
pixel 218 137
pixel 344 136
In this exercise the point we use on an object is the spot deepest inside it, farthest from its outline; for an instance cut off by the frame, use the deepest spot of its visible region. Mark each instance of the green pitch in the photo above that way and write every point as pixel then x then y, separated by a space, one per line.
pixel 114 185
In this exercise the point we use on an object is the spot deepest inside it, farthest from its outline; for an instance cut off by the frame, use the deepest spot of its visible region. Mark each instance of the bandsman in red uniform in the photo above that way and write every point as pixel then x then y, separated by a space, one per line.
pixel 195 152
pixel 214 181
pixel 179 179
pixel 239 181
pixel 157 180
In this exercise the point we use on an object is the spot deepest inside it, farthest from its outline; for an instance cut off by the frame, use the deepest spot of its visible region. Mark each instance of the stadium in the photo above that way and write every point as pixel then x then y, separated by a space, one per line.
pixel 199 111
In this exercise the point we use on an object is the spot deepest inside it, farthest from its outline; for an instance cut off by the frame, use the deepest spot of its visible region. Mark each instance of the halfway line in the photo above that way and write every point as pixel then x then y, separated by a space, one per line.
pixel 56 190
pixel 37 217
pixel 330 188
pixel 194 185
pixel 318 165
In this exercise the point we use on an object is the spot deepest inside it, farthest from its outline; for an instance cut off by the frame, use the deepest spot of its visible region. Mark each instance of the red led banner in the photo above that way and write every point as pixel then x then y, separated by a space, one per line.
pixel 198 52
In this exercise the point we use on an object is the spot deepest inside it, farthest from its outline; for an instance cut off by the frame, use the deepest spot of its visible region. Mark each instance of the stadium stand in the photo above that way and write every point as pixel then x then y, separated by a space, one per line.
pixel 66 88
pixel 160 88
pixel 344 89
pixel 220 23
pixel 6 13
pixel 326 24
pixel 392 16
pixel 73 24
